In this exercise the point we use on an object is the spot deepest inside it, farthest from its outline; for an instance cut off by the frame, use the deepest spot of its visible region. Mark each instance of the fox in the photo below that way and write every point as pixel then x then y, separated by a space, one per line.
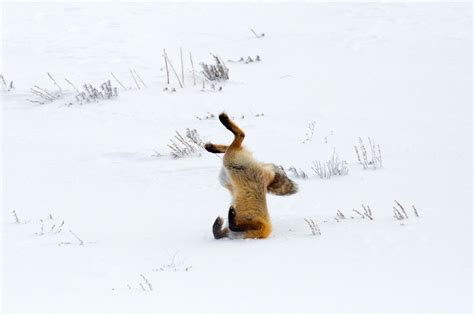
pixel 248 182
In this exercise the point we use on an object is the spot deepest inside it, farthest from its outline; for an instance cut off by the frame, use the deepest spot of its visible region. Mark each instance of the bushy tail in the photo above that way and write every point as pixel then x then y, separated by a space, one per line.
pixel 281 184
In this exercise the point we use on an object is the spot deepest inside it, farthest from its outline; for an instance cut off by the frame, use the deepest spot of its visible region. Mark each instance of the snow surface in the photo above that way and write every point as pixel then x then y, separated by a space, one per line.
pixel 397 72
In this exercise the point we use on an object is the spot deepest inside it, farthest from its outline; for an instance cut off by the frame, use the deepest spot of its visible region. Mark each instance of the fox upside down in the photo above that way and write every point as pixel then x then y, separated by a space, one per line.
pixel 248 181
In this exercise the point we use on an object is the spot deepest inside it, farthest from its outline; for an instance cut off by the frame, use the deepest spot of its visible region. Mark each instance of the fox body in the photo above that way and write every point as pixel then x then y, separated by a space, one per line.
pixel 248 181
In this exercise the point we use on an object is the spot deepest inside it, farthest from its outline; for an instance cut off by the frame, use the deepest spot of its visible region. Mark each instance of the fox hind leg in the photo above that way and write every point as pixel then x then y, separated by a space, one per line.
pixel 233 226
pixel 239 134
pixel 251 229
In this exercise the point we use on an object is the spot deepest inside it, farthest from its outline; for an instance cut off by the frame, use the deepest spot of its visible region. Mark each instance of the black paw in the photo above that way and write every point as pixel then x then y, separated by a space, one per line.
pixel 232 213
pixel 224 119
pixel 232 221
pixel 218 223
pixel 209 147
pixel 217 228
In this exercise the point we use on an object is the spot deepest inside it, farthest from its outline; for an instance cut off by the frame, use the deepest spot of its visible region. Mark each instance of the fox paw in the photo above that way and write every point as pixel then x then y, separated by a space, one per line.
pixel 210 148
pixel 232 221
pixel 217 228
pixel 232 214
pixel 218 222
pixel 224 118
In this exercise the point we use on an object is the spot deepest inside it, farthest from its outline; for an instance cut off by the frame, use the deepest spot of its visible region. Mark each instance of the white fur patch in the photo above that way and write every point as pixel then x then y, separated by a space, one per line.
pixel 224 177
pixel 236 235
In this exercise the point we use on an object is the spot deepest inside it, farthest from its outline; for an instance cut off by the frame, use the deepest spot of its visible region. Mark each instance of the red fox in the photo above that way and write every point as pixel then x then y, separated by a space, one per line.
pixel 248 182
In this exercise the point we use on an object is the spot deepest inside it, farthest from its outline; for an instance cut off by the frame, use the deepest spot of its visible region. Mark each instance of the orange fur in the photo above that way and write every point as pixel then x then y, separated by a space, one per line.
pixel 247 180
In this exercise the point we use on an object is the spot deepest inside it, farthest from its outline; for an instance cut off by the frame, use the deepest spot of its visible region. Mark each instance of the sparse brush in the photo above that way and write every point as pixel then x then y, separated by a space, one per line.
pixel 340 215
pixel 60 227
pixel 217 72
pixel 134 79
pixel 92 94
pixel 360 214
pixel 174 264
pixel 52 229
pixel 206 117
pixel 375 160
pixel 150 287
pixel 367 212
pixel 257 35
pixel 313 226
pixel 248 60
pixel 405 215
pixel 187 145
pixel 310 133
pixel 118 81
pixel 156 154
pixel 55 83
pixel 41 228
pixel 415 211
pixel 168 62
pixel 45 95
pixel 399 212
pixel 333 167
pixel 81 242
pixel 6 87
pixel 17 221
pixel 397 215
pixel 297 173
pixel 77 237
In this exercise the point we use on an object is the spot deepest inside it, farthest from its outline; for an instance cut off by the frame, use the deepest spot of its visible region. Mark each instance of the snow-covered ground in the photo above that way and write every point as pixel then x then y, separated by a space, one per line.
pixel 399 73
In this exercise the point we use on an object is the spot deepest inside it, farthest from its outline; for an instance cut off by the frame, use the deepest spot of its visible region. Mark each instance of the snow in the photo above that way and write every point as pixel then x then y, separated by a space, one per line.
pixel 399 73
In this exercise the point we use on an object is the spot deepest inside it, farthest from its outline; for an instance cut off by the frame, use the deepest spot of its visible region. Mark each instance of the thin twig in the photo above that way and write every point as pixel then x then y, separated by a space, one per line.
pixel 59 229
pixel 147 282
pixel 397 215
pixel 80 241
pixel 361 215
pixel 367 212
pixel 33 101
pixel 340 215
pixel 166 66
pixel 54 81
pixel 192 67
pixel 174 71
pixel 313 226
pixel 139 78
pixel 42 227
pixel 70 83
pixel 17 221
pixel 254 33
pixel 3 82
pixel 133 76
pixel 118 81
pixel 45 92
pixel 403 209
pixel 42 95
